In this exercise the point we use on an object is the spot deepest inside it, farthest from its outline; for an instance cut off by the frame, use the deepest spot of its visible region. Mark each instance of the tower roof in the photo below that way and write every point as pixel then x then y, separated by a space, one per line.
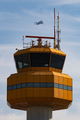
pixel 38 49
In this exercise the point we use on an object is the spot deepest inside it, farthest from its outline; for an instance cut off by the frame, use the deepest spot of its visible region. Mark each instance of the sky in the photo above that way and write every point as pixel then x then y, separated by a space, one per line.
pixel 17 19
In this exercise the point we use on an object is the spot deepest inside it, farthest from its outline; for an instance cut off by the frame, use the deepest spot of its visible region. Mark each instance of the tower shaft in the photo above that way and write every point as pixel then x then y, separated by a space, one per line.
pixel 39 113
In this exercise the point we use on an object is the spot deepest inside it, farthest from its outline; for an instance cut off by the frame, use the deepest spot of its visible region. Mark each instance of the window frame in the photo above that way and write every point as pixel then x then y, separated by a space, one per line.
pixel 57 60
pixel 39 53
pixel 22 55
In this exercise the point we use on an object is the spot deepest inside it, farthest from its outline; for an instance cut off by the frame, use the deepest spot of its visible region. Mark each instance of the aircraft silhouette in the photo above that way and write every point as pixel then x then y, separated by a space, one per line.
pixel 38 23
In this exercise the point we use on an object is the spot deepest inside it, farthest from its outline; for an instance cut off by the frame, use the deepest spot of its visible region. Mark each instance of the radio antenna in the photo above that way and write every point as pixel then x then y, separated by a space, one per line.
pixel 23 41
pixel 54 32
pixel 58 31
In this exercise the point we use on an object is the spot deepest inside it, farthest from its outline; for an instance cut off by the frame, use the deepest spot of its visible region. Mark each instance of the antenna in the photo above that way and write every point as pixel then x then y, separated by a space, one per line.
pixel 58 31
pixel 23 41
pixel 54 32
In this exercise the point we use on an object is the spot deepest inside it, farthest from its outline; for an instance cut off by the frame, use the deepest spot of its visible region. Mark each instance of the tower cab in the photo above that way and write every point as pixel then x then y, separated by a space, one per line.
pixel 39 80
pixel 37 58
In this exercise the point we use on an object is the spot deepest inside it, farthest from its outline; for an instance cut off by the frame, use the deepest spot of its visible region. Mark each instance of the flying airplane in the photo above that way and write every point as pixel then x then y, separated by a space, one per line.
pixel 38 23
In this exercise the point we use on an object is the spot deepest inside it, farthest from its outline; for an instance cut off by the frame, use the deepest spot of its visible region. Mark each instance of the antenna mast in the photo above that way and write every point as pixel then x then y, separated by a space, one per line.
pixel 58 31
pixel 54 32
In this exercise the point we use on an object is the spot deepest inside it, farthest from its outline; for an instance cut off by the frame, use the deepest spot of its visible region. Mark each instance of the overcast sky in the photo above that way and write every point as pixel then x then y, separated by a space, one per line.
pixel 17 19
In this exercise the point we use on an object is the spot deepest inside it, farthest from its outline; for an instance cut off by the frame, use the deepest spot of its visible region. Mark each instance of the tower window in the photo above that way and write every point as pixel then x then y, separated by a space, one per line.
pixel 65 87
pixel 56 85
pixel 23 85
pixel 43 84
pixel 49 84
pixel 9 88
pixel 70 88
pixel 60 86
pixel 30 84
pixel 57 61
pixel 22 61
pixel 36 84
pixel 40 59
pixel 13 87
pixel 18 86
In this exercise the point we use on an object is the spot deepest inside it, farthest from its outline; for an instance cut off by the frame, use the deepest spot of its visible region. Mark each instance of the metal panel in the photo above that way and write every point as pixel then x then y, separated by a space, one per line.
pixel 49 99
pixel 14 94
pixel 69 81
pixel 49 78
pixel 36 78
pixel 56 79
pixel 60 80
pixel 30 92
pixel 30 100
pixel 14 81
pixel 29 68
pixel 19 95
pixel 32 49
pixel 36 92
pixel 9 81
pixel 24 99
pixel 43 99
pixel 19 79
pixel 42 78
pixel 37 49
pixel 24 79
pixel 15 101
pixel 19 52
pixel 51 69
pixel 58 52
pixel 69 95
pixel 61 93
pixel 30 78
pixel 65 81
pixel 65 92
pixel 43 92
pixel 9 93
pixel 37 68
pixel 56 92
pixel 44 50
pixel 49 92
pixel 36 100
pixel 33 68
pixel 24 92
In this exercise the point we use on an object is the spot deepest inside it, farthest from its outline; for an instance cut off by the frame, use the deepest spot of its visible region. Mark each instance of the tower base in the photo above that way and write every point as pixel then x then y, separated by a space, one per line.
pixel 39 113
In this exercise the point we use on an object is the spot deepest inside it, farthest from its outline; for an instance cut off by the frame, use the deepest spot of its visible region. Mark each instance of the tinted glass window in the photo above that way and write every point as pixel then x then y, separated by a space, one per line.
pixel 13 87
pixel 18 86
pixel 60 86
pixel 22 61
pixel 30 84
pixel 26 60
pixel 70 88
pixel 42 84
pixel 40 59
pixel 65 87
pixel 49 84
pixel 23 85
pixel 9 87
pixel 55 85
pixel 57 61
pixel 36 84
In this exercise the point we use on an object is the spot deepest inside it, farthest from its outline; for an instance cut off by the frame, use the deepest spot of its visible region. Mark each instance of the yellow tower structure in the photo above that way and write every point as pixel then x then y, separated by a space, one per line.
pixel 39 86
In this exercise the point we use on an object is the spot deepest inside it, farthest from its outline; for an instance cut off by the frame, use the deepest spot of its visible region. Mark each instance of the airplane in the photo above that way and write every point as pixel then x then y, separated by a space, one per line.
pixel 38 23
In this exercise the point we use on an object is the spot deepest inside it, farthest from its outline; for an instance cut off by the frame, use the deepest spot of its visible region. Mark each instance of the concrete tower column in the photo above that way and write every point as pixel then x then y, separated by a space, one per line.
pixel 39 113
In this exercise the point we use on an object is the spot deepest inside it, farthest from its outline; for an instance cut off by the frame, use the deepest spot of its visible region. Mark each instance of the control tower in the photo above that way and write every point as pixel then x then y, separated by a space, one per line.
pixel 39 86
